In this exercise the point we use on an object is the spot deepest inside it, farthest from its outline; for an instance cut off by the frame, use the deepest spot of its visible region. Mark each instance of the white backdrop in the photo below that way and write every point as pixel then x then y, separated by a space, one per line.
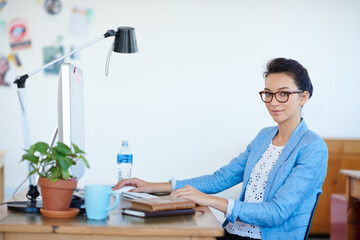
pixel 188 100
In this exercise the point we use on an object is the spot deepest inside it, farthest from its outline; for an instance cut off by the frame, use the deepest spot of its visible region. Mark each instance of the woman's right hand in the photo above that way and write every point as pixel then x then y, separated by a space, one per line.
pixel 144 186
pixel 139 184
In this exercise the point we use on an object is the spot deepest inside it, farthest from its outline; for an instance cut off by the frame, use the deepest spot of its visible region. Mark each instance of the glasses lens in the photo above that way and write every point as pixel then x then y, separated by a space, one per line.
pixel 282 96
pixel 266 96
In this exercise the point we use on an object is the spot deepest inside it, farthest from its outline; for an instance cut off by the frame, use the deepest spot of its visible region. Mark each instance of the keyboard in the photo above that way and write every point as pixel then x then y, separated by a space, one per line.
pixel 80 192
pixel 136 195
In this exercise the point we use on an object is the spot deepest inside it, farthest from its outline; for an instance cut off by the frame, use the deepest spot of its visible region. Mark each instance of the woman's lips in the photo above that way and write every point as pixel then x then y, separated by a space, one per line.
pixel 276 112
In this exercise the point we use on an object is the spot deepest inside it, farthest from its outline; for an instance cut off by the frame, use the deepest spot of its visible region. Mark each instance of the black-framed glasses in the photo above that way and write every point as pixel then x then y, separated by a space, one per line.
pixel 281 96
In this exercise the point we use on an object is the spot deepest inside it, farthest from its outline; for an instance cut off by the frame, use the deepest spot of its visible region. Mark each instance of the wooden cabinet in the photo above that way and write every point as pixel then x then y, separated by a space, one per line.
pixel 343 154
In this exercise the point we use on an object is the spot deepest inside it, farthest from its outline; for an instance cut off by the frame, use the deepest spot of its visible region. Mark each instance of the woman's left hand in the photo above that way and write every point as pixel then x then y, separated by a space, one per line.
pixel 192 194
pixel 201 198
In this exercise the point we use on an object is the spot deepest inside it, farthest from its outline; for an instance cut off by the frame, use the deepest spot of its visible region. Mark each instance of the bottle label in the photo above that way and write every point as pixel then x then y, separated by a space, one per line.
pixel 124 158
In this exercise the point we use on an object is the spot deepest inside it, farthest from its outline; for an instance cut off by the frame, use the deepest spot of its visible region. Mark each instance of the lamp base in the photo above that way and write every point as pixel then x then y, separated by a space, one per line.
pixel 34 207
pixel 25 206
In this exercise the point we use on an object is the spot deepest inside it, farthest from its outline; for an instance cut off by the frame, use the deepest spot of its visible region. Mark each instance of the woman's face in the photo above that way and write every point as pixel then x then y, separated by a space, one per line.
pixel 290 110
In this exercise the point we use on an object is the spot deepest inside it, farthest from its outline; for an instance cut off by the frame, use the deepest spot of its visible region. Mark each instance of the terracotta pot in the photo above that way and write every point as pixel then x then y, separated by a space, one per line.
pixel 57 195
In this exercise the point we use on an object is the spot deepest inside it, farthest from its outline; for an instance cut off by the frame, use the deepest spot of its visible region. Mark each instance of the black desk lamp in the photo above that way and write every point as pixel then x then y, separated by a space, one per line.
pixel 124 42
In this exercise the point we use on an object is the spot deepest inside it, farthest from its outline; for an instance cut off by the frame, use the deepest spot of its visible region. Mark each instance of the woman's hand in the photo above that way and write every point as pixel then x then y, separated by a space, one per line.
pixel 144 186
pixel 139 184
pixel 192 194
pixel 201 198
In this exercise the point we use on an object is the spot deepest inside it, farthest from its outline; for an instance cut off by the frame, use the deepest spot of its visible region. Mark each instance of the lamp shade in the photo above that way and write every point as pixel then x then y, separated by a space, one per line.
pixel 125 40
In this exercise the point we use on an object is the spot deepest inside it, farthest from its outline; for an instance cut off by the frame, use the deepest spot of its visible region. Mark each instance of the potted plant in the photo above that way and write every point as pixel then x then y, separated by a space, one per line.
pixel 52 165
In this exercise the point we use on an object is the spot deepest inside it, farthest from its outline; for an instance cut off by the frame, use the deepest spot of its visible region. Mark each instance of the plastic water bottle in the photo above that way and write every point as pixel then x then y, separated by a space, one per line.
pixel 124 161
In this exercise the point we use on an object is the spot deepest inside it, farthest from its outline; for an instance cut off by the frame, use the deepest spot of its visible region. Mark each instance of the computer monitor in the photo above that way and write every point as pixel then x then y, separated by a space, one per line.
pixel 71 111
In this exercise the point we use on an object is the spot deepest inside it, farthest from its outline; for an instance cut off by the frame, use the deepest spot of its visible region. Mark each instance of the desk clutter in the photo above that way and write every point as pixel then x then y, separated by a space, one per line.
pixel 136 195
pixel 148 205
pixel 94 202
pixel 143 214
pixel 160 206
pixel 123 192
pixel 70 213
pixel 201 225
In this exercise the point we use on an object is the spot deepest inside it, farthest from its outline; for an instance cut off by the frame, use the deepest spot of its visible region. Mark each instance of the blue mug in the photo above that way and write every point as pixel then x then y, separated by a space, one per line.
pixel 97 201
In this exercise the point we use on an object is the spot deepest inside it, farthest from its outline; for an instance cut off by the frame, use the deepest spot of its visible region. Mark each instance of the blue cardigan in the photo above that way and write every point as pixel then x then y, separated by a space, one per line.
pixel 291 189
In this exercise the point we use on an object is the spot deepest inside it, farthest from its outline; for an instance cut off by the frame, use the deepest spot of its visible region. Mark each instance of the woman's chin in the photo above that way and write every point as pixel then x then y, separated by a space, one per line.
pixel 277 119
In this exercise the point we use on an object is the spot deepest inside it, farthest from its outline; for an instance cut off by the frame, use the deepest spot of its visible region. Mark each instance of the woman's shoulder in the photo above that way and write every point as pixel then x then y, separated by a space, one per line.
pixel 265 134
pixel 302 133
pixel 312 138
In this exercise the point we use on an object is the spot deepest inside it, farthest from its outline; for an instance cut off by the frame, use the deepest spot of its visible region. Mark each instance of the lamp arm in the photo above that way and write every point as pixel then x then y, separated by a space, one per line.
pixel 20 80
pixel 33 193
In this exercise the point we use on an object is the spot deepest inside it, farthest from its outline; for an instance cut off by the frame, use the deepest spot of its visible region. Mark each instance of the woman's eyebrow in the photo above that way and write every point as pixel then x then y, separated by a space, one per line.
pixel 282 88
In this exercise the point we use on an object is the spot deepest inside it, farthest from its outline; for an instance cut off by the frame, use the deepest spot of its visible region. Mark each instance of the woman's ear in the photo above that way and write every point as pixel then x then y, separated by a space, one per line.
pixel 304 97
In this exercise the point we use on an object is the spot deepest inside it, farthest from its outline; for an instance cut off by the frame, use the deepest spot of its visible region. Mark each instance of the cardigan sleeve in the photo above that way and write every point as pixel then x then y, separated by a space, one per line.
pixel 307 175
pixel 221 179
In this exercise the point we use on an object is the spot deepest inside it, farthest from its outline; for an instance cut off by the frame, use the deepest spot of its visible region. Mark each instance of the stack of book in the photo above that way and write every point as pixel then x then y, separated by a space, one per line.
pixel 160 206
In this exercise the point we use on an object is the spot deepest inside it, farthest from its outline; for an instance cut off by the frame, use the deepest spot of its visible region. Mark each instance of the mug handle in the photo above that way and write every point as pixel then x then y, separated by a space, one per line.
pixel 117 201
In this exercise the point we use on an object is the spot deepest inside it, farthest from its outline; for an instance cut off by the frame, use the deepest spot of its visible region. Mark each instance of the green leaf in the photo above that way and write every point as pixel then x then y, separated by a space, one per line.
pixel 56 161
pixel 54 173
pixel 53 179
pixel 42 147
pixel 32 149
pixel 32 172
pixel 65 163
pixel 30 157
pixel 62 148
pixel 65 174
pixel 47 160
pixel 77 149
pixel 54 152
pixel 85 161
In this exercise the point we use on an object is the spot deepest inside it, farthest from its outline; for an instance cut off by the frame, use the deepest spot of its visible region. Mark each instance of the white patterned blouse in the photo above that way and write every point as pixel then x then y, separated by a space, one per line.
pixel 255 190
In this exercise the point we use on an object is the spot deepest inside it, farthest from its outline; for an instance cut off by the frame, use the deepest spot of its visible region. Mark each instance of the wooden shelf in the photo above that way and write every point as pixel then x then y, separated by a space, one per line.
pixel 343 154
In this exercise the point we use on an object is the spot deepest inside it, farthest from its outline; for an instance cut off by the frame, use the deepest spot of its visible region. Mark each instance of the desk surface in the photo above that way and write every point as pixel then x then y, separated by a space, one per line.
pixel 353 198
pixel 202 225
pixel 351 173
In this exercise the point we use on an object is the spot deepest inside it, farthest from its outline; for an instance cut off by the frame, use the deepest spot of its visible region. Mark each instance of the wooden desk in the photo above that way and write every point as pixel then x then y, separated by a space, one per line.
pixel 19 226
pixel 2 177
pixel 353 198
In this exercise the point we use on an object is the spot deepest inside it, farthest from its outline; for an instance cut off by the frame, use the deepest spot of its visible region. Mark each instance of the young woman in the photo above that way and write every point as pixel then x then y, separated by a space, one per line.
pixel 282 169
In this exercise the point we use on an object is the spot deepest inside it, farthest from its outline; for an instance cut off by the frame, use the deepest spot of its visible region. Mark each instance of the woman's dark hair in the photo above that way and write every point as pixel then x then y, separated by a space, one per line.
pixel 293 69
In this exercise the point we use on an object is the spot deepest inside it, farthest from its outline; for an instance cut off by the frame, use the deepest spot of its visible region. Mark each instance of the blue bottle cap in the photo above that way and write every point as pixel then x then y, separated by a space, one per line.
pixel 125 143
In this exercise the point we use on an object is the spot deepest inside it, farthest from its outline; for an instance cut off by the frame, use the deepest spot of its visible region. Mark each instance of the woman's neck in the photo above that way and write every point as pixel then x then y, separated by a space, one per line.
pixel 285 131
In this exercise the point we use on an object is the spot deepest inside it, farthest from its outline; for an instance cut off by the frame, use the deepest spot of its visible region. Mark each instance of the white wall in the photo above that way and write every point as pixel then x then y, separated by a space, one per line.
pixel 188 100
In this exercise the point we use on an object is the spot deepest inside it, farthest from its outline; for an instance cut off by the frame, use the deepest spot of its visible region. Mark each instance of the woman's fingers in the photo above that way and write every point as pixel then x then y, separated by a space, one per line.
pixel 127 182
pixel 192 194
pixel 184 192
